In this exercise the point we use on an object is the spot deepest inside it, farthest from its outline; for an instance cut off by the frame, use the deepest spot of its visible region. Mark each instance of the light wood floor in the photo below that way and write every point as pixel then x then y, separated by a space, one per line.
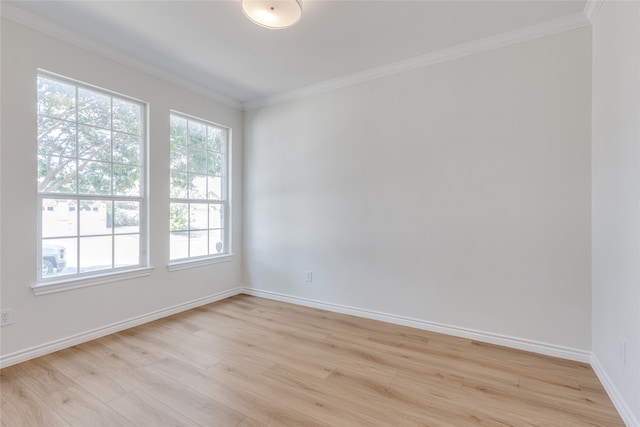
pixel 251 362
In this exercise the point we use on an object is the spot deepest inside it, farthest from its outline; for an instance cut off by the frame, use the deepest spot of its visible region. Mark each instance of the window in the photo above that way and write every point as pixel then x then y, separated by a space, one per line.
pixel 199 208
pixel 91 189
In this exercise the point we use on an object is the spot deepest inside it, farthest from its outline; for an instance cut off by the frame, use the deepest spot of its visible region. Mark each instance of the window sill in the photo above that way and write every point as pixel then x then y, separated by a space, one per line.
pixel 181 265
pixel 68 284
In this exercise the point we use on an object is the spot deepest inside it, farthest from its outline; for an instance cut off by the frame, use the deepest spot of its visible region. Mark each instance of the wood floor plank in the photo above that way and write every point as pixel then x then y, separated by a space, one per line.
pixel 266 410
pixel 252 362
pixel 80 408
pixel 432 407
pixel 157 339
pixel 250 422
pixel 71 363
pixel 130 348
pixel 216 414
pixel 376 414
pixel 39 377
pixel 309 403
pixel 143 410
pixel 276 351
pixel 94 350
pixel 104 386
pixel 20 406
pixel 198 407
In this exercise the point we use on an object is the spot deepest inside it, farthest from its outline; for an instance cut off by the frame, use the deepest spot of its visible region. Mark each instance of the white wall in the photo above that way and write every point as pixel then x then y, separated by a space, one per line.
pixel 616 202
pixel 457 193
pixel 42 319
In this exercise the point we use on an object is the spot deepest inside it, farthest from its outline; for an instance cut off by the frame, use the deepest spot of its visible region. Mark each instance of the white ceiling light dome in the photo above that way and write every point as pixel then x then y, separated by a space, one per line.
pixel 273 14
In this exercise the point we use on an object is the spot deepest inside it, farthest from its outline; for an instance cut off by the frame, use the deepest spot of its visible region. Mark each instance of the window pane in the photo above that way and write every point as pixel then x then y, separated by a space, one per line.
pixel 214 138
pixel 94 143
pixel 178 186
pixel 178 160
pixel 56 137
pixel 126 180
pixel 94 108
pixel 179 245
pixel 56 99
pixel 215 188
pixel 126 217
pixel 216 219
pixel 196 135
pixel 178 130
pixel 197 161
pixel 126 250
pixel 198 243
pixel 198 216
pixel 56 174
pixel 94 217
pixel 214 164
pixel 216 245
pixel 59 256
pixel 197 186
pixel 95 253
pixel 127 117
pixel 179 216
pixel 94 177
pixel 59 218
pixel 126 149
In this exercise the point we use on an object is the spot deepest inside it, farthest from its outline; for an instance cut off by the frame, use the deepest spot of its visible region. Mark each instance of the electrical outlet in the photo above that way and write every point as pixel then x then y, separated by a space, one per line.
pixel 309 276
pixel 5 317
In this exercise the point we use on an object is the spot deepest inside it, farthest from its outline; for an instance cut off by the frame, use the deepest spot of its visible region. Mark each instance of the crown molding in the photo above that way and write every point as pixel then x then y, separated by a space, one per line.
pixel 494 42
pixel 30 20
pixel 592 9
pixel 34 22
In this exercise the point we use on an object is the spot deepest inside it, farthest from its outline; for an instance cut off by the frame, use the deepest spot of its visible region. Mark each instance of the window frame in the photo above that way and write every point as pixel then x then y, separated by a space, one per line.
pixel 224 201
pixel 63 282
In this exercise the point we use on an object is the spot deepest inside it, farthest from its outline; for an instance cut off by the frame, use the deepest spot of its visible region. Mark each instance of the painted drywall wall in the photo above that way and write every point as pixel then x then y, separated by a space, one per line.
pixel 616 201
pixel 457 193
pixel 47 318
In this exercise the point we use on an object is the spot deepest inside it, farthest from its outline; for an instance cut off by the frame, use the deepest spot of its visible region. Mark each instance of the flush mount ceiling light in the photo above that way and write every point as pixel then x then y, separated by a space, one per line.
pixel 273 14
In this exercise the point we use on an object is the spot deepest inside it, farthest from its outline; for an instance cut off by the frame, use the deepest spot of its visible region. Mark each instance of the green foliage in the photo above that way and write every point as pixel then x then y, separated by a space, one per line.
pixel 77 143
pixel 179 217
pixel 124 214
pixel 196 155
pixel 91 143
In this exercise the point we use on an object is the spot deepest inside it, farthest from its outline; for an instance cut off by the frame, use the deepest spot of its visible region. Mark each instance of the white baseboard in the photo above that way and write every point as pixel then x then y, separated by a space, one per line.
pixel 507 341
pixel 488 337
pixel 50 347
pixel 623 409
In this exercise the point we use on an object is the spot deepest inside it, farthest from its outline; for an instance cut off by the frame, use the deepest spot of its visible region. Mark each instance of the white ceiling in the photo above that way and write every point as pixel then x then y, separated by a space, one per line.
pixel 213 45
